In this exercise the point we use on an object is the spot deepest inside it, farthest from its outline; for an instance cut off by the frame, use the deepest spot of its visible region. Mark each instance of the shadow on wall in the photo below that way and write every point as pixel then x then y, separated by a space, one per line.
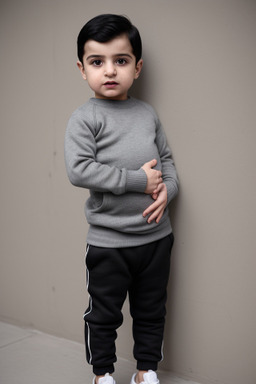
pixel 174 209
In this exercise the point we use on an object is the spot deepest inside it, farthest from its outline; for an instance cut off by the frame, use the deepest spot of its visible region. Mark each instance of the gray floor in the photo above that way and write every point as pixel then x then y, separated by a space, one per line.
pixel 31 357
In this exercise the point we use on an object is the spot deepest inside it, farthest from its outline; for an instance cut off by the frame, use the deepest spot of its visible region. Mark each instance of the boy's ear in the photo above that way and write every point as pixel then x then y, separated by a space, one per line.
pixel 81 69
pixel 138 68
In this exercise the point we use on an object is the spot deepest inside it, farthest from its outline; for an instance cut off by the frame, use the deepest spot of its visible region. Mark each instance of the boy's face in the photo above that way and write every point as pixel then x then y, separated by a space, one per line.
pixel 110 68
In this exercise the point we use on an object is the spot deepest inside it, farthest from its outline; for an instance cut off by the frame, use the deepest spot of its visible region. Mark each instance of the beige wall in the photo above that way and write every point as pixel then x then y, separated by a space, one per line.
pixel 199 74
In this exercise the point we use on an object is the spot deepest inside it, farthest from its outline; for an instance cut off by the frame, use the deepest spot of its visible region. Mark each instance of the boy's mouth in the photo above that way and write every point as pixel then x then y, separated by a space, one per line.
pixel 110 84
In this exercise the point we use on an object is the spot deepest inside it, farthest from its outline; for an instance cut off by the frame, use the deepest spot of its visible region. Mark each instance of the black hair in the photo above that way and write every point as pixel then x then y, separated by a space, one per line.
pixel 106 27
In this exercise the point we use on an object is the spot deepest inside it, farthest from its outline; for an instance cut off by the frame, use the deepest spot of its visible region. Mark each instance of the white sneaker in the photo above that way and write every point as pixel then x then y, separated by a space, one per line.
pixel 107 379
pixel 149 377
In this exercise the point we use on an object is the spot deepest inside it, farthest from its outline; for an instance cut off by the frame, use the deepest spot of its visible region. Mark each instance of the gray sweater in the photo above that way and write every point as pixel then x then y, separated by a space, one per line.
pixel 107 142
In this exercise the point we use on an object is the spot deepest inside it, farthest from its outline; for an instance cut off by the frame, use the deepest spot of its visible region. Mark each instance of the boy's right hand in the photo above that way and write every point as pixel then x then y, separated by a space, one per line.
pixel 154 177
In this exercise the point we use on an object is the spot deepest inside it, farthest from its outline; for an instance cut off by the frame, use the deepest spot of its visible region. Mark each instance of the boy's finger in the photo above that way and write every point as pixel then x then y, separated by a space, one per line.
pixel 154 196
pixel 158 188
pixel 152 163
pixel 150 209
pixel 157 214
pixel 154 215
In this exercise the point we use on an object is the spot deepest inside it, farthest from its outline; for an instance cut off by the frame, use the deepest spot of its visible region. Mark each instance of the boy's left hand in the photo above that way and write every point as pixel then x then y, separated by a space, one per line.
pixel 157 208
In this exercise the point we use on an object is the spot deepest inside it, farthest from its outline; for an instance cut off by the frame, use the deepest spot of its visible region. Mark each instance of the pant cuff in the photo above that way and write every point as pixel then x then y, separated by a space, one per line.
pixel 100 371
pixel 147 365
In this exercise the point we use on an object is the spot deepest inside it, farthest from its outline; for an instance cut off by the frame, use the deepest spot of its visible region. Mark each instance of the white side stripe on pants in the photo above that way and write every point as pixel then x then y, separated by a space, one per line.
pixel 90 307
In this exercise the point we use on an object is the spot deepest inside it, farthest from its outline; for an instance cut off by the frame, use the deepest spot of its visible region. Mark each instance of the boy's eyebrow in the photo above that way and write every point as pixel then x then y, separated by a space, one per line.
pixel 102 56
pixel 93 57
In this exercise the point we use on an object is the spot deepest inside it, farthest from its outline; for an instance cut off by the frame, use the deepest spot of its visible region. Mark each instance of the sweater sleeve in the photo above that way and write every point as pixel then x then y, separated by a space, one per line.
pixel 170 177
pixel 85 171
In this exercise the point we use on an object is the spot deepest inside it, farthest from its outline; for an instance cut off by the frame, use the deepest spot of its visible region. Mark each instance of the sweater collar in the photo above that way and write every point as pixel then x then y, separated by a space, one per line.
pixel 113 103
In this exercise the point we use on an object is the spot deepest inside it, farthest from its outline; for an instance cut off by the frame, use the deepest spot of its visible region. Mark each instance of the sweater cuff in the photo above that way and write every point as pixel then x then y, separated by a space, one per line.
pixel 171 192
pixel 136 181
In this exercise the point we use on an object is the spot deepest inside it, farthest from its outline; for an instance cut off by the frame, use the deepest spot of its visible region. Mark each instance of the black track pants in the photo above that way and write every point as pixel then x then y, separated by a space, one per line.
pixel 142 272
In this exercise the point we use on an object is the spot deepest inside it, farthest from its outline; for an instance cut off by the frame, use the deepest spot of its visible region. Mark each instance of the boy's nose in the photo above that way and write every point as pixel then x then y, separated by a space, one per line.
pixel 110 70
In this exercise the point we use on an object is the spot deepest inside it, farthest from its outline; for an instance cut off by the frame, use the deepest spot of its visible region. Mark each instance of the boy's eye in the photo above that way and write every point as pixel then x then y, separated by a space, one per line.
pixel 121 61
pixel 97 63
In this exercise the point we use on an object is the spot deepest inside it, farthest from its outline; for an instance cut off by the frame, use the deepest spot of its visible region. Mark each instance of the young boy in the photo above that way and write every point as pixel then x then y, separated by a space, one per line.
pixel 115 147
